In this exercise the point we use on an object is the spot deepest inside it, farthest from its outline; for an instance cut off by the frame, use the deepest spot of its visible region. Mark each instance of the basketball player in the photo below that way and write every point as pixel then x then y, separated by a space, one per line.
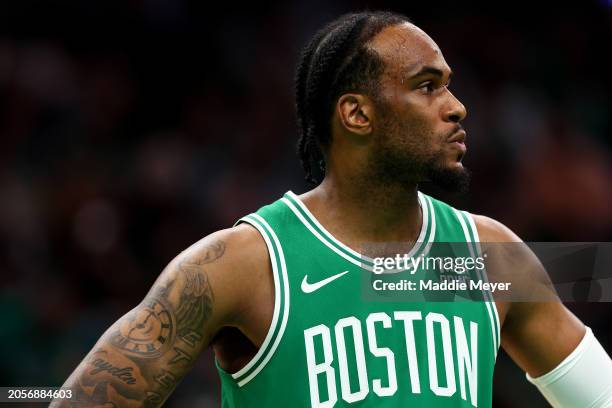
pixel 277 296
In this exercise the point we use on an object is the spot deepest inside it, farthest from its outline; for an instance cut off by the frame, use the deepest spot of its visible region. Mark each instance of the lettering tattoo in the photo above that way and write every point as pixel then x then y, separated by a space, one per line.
pixel 180 355
pixel 191 337
pixel 124 374
pixel 166 379
pixel 152 399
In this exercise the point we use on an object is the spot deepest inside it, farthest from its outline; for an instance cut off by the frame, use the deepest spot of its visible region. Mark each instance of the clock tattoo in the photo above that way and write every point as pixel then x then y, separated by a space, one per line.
pixel 147 332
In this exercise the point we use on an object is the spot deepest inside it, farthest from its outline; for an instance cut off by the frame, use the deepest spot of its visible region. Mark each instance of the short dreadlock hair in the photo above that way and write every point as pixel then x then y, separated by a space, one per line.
pixel 335 61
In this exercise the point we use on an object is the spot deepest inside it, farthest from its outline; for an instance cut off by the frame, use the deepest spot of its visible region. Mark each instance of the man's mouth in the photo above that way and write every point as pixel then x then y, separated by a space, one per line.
pixel 458 137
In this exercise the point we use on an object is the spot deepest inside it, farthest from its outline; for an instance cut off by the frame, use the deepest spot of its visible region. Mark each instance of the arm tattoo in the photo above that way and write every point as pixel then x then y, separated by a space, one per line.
pixel 195 305
pixel 166 379
pixel 124 374
pixel 99 396
pixel 146 332
pixel 211 253
pixel 146 353
pixel 181 355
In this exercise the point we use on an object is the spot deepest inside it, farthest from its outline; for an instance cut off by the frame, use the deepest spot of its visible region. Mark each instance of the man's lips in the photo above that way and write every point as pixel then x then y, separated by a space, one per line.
pixel 458 136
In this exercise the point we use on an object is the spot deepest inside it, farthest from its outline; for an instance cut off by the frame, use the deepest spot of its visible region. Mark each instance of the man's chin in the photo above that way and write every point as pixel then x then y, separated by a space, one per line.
pixel 455 179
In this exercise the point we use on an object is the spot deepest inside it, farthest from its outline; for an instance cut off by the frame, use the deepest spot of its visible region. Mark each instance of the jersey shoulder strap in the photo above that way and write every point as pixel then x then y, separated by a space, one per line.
pixel 453 225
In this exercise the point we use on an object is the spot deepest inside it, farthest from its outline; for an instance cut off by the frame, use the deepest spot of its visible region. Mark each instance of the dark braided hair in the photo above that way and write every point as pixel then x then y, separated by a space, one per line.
pixel 334 62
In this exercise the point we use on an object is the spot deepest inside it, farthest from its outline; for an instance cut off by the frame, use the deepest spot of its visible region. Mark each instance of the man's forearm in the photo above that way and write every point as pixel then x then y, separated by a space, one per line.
pixel 140 359
pixel 112 375
pixel 107 377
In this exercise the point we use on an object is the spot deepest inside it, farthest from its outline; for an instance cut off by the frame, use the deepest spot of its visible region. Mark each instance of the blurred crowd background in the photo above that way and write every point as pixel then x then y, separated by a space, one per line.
pixel 130 129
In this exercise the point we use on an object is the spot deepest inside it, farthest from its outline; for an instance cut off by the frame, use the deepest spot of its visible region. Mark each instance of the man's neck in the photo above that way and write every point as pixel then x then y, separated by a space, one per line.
pixel 357 213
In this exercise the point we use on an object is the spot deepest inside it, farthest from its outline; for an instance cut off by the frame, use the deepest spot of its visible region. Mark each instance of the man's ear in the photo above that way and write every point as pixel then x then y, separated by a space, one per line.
pixel 356 113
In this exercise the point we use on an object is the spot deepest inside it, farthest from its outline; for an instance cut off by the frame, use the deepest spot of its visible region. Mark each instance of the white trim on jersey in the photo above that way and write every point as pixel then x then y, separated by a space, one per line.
pixel 472 224
pixel 336 245
pixel 319 236
pixel 281 289
pixel 489 304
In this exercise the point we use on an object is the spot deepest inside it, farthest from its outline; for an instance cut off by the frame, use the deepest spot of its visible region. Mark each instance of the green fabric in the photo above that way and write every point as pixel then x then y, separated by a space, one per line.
pixel 364 338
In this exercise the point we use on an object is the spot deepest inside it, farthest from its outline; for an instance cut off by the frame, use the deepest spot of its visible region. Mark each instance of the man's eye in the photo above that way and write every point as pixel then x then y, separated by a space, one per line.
pixel 427 86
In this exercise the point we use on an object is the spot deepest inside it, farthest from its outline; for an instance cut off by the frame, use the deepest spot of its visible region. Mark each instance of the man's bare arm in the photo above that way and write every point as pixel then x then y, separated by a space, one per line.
pixel 528 326
pixel 141 358
pixel 561 356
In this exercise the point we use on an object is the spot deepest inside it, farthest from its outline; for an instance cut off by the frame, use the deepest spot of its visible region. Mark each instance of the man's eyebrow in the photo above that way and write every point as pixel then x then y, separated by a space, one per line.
pixel 431 70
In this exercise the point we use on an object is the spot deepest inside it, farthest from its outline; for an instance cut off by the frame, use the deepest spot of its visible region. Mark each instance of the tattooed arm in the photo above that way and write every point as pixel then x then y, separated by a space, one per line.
pixel 141 358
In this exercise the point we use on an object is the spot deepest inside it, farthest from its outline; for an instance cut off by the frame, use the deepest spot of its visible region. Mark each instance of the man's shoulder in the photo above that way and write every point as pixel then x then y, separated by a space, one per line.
pixel 237 267
pixel 491 230
pixel 239 246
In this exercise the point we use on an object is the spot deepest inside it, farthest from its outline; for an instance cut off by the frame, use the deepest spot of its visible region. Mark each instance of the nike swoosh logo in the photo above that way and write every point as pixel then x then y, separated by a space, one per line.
pixel 311 287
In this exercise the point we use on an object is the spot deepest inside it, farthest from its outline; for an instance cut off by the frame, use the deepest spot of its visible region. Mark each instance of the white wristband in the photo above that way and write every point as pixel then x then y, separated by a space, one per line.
pixel 583 379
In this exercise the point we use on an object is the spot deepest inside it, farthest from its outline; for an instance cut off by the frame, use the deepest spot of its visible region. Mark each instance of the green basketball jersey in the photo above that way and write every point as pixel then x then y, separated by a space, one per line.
pixel 327 346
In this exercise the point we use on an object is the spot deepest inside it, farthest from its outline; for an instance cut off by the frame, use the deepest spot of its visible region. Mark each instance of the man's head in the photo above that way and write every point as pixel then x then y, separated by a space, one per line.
pixel 371 90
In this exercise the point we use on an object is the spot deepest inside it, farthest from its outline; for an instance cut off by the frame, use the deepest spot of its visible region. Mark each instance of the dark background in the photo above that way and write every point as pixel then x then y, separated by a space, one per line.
pixel 131 129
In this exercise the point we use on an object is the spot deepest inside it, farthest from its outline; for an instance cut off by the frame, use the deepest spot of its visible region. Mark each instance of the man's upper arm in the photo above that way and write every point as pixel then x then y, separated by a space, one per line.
pixel 537 335
pixel 141 358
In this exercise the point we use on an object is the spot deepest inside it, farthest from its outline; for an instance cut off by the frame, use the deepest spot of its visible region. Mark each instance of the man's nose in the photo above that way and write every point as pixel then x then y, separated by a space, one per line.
pixel 455 111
